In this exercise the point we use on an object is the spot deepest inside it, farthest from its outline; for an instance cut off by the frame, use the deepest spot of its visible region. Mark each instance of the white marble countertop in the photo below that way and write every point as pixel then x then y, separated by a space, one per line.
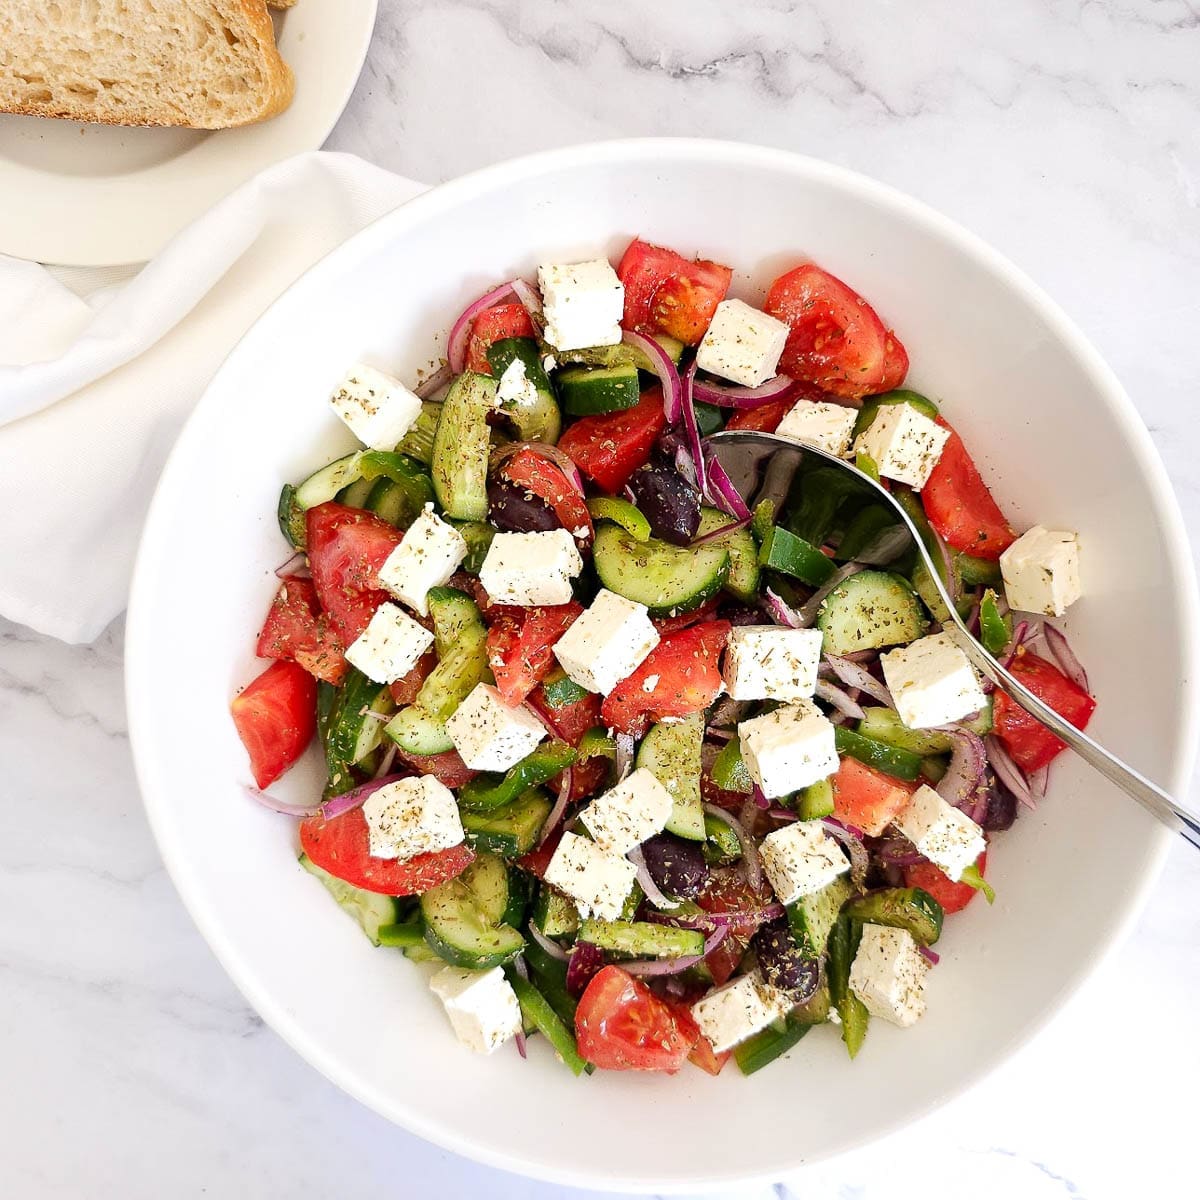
pixel 1065 134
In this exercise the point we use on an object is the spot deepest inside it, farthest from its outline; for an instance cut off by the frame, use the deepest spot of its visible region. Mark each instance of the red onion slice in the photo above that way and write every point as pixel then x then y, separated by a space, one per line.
pixel 560 802
pixel 1067 661
pixel 965 783
pixel 728 395
pixel 852 843
pixel 931 956
pixel 529 296
pixel 1038 781
pixel 434 384
pixel 722 492
pixel 1008 772
pixel 672 966
pixel 519 1038
pixel 664 368
pixel 552 948
pixel 624 755
pixel 853 674
pixel 732 527
pixel 808 613
pixel 839 699
pixel 783 612
pixel 336 805
pixel 385 763
pixel 585 961
pixel 296 567
pixel 653 892
pixel 280 806
pixel 460 331
pixel 749 849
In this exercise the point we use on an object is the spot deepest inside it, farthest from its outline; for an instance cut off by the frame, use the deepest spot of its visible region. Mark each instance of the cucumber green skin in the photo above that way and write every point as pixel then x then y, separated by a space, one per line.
pixel 402 487
pixel 510 830
pixel 537 1010
pixel 468 944
pixel 784 551
pixel 722 846
pixel 842 947
pixel 486 793
pixel 884 725
pixel 589 390
pixel 873 404
pixel 815 801
pixel 924 586
pixel 417 731
pixel 478 536
pixel 764 1047
pixel 452 612
pixel 463 917
pixel 370 909
pixel 995 631
pixel 291 518
pixel 642 939
pixel 418 441
pixel 977 572
pixel 351 733
pixel 537 421
pixel 667 579
pixel 868 611
pixel 729 770
pixel 891 760
pixel 405 934
pixel 521 887
pixel 902 908
pixel 354 495
pixel 319 487
pixel 550 977
pixel 628 516
pixel 554 914
pixel 487 883
pixel 744 573
pixel 812 917
pixel 460 448
pixel 670 751
pixel 339 773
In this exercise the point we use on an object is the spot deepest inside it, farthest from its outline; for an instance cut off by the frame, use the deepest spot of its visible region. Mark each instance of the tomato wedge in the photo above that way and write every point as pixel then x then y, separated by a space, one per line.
pixel 705 612
pixel 569 721
pixel 666 293
pixel 960 507
pixel 346 548
pixel 1030 743
pixel 447 768
pixel 491 325
pixel 868 798
pixel 727 892
pixel 609 447
pixel 837 340
pixel 296 630
pixel 520 646
pixel 404 690
pixel 621 1025
pixel 683 674
pixel 706 1058
pixel 276 717
pixel 764 418
pixel 340 847
pixel 953 897
pixel 587 777
pixel 530 470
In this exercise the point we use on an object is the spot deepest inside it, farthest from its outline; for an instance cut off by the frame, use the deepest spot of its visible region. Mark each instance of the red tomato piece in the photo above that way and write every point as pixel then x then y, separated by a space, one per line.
pixel 587 777
pixel 705 1057
pixel 569 721
pixel 705 612
pixel 621 1025
pixel 727 892
pixel 666 293
pixel 867 798
pixel 520 646
pixel 953 897
pixel 837 340
pixel 688 679
pixel 404 691
pixel 276 716
pixel 346 548
pixel 764 418
pixel 538 859
pixel 447 768
pixel 895 365
pixel 296 630
pixel 609 447
pixel 960 507
pixel 492 325
pixel 340 847
pixel 530 470
pixel 1030 743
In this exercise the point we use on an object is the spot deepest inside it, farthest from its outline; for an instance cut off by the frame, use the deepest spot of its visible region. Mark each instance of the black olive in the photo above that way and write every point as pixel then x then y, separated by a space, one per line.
pixel 783 963
pixel 515 510
pixel 668 501
pixel 676 865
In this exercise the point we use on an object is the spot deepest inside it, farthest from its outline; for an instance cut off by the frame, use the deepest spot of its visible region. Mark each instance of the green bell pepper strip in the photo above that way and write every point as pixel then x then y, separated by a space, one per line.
pixel 995 629
pixel 842 947
pixel 973 878
pixel 539 1012
pixel 729 770
pixel 560 691
pixel 628 516
pixel 766 1046
pixel 891 760
pixel 873 404
pixel 784 551
pixel 867 465
pixel 486 792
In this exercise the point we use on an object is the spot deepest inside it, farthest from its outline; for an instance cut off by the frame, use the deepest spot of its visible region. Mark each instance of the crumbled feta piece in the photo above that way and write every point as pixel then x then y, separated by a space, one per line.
pixel 800 859
pixel 820 423
pixel 904 444
pixel 626 815
pixel 789 748
pixel 1041 571
pixel 739 1010
pixel 490 735
pixel 412 816
pixel 583 304
pixel 742 344
pixel 888 974
pixel 768 662
pixel 941 832
pixel 515 388
pixel 378 409
pixel 609 641
pixel 481 1006
pixel 389 646
pixel 932 682
pixel 596 880
pixel 429 554
pixel 531 568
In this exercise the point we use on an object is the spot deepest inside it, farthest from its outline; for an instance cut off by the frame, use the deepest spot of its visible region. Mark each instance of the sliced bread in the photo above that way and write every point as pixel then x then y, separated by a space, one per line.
pixel 207 64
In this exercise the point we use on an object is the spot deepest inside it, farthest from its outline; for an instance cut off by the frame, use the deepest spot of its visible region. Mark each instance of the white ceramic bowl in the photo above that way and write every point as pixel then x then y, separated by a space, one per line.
pixel 1055 436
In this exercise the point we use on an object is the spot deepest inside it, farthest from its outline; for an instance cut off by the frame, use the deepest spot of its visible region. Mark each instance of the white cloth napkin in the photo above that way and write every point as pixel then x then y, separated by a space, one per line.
pixel 98 371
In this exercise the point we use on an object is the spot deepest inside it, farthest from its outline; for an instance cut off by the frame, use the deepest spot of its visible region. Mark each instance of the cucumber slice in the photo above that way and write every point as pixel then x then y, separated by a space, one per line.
pixel 418 441
pixel 538 1011
pixel 587 390
pixel 977 572
pixel 642 939
pixel 352 732
pixel 416 731
pixel 320 487
pixel 812 917
pixel 611 356
pixel 463 917
pixel 554 914
pixel 667 579
pixel 354 495
pixel 815 1010
pixel 460 447
pixel 478 536
pixel 842 947
pixel 521 887
pixel 370 909
pixel 868 611
pixel 815 801
pixel 537 419
pixel 559 690
pixel 511 830
pixel 902 908
pixel 764 1047
pixel 405 934
pixel 743 553
pixel 671 753
pixel 901 764
pixel 884 725
pixel 783 551
pixel 453 613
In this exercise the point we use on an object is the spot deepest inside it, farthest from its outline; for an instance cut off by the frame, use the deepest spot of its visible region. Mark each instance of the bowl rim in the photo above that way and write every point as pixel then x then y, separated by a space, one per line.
pixel 664 152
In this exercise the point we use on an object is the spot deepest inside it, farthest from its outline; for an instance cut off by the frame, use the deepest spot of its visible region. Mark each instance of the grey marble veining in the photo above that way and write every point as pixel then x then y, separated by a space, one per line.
pixel 1064 133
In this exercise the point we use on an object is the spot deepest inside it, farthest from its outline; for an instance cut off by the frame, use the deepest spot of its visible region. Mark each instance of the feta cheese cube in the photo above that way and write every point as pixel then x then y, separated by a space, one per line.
pixel 389 646
pixel 1041 571
pixel 739 1010
pixel 531 568
pixel 626 815
pixel 412 816
pixel 609 641
pixel 489 734
pixel 481 1006
pixel 583 304
pixel 904 444
pixel 789 748
pixel 378 409
pixel 801 859
pixel 932 682
pixel 596 880
pixel 888 974
pixel 742 344
pixel 820 423
pixel 430 553
pixel 941 832
pixel 768 662
pixel 515 388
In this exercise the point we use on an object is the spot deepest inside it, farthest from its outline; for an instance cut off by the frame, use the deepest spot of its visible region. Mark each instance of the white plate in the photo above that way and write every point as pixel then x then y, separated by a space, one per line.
pixel 98 195
pixel 1052 431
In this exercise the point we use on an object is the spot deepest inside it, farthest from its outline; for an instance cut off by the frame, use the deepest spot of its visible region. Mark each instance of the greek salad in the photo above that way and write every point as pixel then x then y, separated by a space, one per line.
pixel 631 766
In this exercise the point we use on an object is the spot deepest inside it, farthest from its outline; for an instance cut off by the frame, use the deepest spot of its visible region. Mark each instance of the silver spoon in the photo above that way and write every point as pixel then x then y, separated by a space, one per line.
pixel 766 466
